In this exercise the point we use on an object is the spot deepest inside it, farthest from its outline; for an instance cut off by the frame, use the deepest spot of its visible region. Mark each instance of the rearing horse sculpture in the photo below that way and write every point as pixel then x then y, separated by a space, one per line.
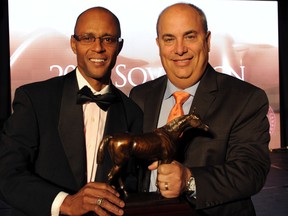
pixel 159 145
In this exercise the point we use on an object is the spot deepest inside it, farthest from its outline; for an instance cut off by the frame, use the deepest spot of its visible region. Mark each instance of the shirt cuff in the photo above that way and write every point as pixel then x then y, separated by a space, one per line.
pixel 55 209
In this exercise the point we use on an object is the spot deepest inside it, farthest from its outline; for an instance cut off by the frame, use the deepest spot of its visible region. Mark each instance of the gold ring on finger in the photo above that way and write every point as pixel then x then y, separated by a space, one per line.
pixel 99 201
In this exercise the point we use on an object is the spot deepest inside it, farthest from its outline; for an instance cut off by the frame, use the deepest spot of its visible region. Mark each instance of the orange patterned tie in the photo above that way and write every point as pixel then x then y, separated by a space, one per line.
pixel 180 98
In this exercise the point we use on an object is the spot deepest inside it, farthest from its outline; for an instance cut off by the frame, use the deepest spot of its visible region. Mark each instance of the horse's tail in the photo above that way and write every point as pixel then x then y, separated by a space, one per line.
pixel 100 154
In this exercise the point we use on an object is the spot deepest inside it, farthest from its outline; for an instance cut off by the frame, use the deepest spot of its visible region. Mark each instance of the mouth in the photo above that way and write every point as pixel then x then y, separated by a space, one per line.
pixel 97 60
pixel 182 60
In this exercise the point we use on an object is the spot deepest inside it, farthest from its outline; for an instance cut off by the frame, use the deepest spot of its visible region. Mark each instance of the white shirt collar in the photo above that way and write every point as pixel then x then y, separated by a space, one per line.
pixel 82 82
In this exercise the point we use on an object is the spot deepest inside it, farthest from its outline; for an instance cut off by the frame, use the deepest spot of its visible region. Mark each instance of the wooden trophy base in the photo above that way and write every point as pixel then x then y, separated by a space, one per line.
pixel 153 204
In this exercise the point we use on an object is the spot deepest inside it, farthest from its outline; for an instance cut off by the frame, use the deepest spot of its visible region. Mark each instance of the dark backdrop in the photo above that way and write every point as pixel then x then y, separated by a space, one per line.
pixel 5 96
pixel 283 58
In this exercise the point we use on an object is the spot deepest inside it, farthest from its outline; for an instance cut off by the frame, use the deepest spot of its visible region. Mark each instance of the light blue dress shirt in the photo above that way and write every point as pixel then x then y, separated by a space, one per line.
pixel 167 104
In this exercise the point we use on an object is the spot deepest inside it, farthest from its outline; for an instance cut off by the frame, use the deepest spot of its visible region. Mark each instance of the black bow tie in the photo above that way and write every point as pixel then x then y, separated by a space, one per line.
pixel 103 101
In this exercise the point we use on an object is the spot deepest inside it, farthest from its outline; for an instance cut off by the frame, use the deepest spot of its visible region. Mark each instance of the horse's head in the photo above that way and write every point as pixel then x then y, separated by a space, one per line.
pixel 178 125
pixel 194 121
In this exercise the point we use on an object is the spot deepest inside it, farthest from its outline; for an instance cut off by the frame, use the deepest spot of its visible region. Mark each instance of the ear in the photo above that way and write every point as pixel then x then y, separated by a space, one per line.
pixel 120 46
pixel 73 44
pixel 157 41
pixel 208 39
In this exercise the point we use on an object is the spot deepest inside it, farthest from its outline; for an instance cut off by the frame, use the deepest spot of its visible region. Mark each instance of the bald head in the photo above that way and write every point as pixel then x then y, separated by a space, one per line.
pixel 177 9
pixel 100 11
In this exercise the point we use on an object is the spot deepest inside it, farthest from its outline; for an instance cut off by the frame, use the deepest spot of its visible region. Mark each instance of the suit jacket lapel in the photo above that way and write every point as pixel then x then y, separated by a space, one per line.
pixel 71 128
pixel 115 122
pixel 205 93
pixel 153 103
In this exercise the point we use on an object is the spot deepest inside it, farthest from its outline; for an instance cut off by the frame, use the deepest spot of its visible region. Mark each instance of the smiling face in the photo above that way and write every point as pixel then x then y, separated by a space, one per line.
pixel 96 60
pixel 183 45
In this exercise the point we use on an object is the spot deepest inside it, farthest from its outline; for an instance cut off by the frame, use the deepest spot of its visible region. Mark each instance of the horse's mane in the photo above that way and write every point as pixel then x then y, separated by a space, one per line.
pixel 175 124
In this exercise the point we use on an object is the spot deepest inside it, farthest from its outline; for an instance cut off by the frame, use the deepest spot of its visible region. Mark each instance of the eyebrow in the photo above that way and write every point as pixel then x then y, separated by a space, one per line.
pixel 185 33
pixel 191 32
pixel 168 35
pixel 103 35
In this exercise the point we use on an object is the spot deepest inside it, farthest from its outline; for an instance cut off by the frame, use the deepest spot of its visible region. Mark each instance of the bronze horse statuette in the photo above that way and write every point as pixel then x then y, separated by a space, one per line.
pixel 159 145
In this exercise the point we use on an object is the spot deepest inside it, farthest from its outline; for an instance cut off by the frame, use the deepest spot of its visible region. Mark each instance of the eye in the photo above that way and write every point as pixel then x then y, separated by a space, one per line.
pixel 190 37
pixel 108 39
pixel 168 40
pixel 87 38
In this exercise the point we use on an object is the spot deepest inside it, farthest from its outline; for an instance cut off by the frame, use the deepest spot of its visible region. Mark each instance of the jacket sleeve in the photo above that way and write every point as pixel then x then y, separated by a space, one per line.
pixel 246 160
pixel 20 187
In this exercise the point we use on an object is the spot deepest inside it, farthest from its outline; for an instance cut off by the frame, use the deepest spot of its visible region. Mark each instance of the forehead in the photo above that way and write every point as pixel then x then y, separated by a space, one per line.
pixel 180 19
pixel 96 21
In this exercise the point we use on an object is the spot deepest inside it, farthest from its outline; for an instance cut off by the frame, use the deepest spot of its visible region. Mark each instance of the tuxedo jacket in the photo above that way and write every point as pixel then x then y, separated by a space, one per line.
pixel 42 150
pixel 230 162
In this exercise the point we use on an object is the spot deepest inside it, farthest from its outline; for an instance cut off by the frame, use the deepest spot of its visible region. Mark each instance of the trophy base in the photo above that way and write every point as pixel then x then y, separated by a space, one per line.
pixel 153 203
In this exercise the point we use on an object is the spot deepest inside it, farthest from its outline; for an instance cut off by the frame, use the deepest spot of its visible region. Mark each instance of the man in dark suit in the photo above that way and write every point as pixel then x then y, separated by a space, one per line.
pixel 48 151
pixel 218 171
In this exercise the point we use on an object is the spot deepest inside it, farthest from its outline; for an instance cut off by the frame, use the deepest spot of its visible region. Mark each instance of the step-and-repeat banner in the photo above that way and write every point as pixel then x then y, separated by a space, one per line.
pixel 244 42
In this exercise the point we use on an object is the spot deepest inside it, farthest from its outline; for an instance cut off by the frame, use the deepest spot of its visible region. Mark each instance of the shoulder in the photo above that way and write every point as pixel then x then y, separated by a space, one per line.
pixel 227 82
pixel 149 86
pixel 47 85
pixel 235 92
pixel 228 88
pixel 128 103
pixel 152 83
pixel 41 84
pixel 46 89
pixel 132 112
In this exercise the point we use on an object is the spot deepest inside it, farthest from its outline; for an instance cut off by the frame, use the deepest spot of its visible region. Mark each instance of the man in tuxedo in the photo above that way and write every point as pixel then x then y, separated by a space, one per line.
pixel 218 171
pixel 49 144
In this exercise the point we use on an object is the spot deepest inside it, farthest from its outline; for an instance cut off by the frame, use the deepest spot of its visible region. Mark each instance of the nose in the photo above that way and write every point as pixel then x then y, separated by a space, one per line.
pixel 97 45
pixel 180 47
